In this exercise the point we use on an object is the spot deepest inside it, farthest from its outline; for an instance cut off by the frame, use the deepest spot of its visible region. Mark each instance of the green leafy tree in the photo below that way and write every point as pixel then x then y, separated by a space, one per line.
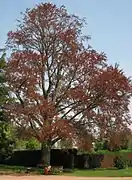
pixel 32 144
pixel 6 140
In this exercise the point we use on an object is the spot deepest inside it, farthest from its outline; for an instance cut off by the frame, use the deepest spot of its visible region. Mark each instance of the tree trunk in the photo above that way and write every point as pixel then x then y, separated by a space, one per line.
pixel 45 154
pixel 72 161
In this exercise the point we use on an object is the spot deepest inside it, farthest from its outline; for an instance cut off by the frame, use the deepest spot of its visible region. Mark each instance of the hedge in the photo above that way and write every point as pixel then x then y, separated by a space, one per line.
pixel 72 159
pixel 104 159
pixel 33 157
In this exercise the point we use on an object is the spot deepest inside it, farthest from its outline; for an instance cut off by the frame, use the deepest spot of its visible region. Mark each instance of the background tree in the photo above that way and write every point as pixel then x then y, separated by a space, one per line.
pixel 63 89
pixel 6 139
pixel 109 143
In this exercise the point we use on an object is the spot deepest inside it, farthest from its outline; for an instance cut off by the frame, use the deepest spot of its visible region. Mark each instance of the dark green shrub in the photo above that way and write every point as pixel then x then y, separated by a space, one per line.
pixel 120 162
pixel 7 143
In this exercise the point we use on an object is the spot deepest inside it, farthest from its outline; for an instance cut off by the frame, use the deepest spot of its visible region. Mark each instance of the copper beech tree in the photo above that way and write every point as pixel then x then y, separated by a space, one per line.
pixel 63 89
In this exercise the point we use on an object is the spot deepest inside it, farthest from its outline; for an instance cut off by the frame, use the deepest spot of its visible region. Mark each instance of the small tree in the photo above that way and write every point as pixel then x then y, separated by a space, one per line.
pixel 63 89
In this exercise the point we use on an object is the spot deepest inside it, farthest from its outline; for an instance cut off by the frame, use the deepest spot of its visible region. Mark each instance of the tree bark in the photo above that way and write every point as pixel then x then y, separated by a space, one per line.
pixel 72 161
pixel 45 154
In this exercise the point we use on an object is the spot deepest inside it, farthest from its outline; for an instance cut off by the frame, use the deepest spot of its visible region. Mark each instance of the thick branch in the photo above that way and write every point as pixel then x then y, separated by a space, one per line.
pixel 49 77
pixel 20 99
pixel 58 78
pixel 55 140
pixel 32 126
pixel 37 120
pixel 18 92
pixel 43 75
pixel 66 89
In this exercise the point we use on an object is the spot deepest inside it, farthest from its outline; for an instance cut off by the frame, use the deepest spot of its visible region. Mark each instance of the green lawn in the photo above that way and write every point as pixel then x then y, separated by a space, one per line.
pixel 102 173
pixel 4 169
pixel 7 167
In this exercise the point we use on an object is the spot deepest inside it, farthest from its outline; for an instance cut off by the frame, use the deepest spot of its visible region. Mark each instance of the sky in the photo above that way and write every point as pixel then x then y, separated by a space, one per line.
pixel 109 23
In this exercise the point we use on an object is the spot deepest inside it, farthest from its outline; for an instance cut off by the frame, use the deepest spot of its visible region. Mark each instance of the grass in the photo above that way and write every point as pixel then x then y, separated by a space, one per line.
pixel 4 169
pixel 102 173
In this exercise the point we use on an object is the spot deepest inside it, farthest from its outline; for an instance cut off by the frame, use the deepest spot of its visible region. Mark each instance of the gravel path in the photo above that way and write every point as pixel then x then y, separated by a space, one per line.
pixel 60 178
